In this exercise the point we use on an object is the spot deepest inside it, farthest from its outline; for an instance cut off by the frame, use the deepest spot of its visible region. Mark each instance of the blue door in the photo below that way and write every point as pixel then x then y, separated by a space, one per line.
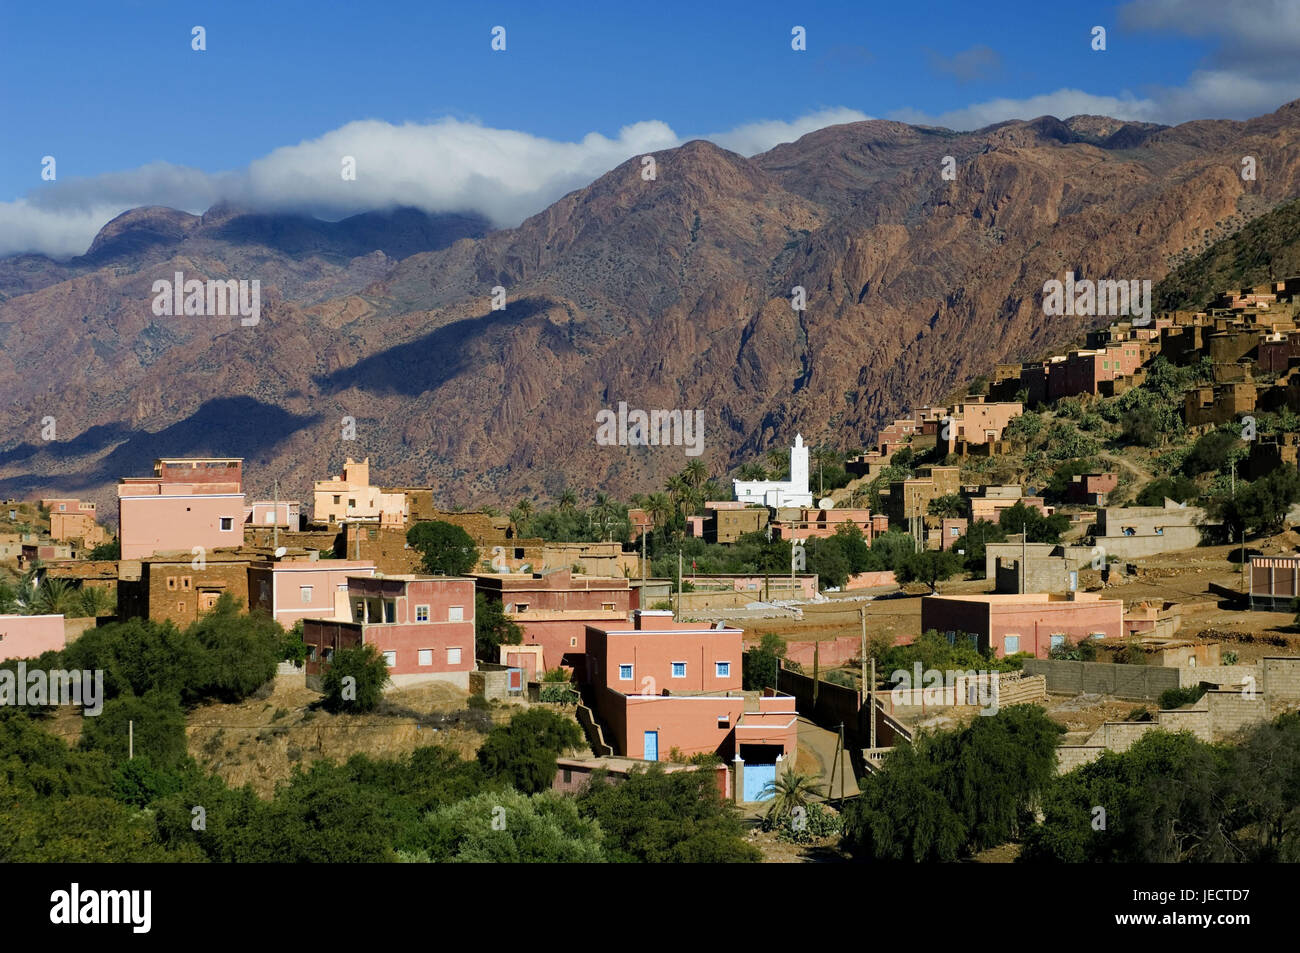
pixel 757 777
pixel 652 746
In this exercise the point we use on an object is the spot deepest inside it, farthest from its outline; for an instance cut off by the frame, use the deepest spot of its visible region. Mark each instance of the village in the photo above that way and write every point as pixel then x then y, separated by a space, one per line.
pixel 1116 618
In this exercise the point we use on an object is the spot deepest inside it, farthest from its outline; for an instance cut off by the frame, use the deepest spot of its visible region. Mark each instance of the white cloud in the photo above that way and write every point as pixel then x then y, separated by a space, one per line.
pixel 755 137
pixel 445 166
pixel 1063 103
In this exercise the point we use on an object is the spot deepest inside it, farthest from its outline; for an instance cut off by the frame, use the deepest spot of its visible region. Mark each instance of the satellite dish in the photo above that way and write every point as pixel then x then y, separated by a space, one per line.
pixel 279 553
pixel 825 503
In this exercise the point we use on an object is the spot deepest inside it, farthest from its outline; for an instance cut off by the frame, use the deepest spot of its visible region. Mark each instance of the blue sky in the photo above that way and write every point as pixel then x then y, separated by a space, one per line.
pixel 114 92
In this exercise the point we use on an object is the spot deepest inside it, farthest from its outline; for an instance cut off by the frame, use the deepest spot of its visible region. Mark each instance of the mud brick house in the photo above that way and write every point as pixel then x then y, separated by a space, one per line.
pixel 806 523
pixel 187 502
pixel 1033 622
pixel 1090 489
pixel 422 625
pixel 554 608
pixel 659 685
pixel 725 521
pixel 180 590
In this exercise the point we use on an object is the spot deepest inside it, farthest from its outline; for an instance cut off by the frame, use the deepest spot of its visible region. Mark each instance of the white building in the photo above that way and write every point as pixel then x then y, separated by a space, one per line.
pixel 792 492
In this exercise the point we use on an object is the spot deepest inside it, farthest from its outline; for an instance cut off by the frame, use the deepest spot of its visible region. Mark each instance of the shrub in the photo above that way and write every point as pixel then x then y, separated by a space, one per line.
pixel 1178 697
pixel 355 679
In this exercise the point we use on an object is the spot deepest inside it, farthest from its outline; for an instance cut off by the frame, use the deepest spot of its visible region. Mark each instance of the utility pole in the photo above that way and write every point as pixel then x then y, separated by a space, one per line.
pixel 275 526
pixel 872 709
pixel 1024 546
pixel 817 680
pixel 679 582
pixel 643 557
pixel 862 616
pixel 130 740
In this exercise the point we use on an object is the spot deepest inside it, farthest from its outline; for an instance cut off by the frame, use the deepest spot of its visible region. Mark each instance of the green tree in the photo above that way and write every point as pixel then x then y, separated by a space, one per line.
pixel 659 818
pixel 445 548
pixel 523 752
pixel 111 550
pixel 152 725
pixel 948 506
pixel 931 566
pixel 760 663
pixel 355 679
pixel 506 827
pixel 240 652
pixel 492 628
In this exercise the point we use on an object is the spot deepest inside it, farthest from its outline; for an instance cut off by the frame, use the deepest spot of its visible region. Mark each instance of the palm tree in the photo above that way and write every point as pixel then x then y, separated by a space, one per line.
pixel 677 488
pixel 791 790
pixel 751 471
pixel 660 507
pixel 95 602
pixel 695 473
pixel 525 508
pixel 55 597
pixel 568 499
pixel 778 463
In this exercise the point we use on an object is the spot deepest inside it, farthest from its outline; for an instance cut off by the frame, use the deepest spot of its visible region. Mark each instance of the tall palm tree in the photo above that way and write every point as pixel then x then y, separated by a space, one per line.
pixel 792 789
pixel 568 499
pixel 695 473
pixel 751 471
pixel 525 508
pixel 677 488
pixel 660 506
pixel 778 463
pixel 95 601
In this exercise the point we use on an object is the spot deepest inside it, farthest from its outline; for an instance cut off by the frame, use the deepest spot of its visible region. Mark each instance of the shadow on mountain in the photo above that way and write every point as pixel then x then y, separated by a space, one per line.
pixel 428 362
pixel 226 427
pixel 398 233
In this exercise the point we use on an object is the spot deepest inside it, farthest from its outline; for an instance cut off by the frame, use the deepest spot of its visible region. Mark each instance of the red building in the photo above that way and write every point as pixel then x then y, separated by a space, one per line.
pixel 1082 371
pixel 554 609
pixel 1030 622
pixel 1091 488
pixel 660 685
pixel 423 626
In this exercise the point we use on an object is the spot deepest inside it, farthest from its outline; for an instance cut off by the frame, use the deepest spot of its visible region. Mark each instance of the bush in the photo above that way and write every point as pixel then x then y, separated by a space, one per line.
pixel 445 548
pixel 1178 697
pixel 476 702
pixel 355 679
pixel 523 753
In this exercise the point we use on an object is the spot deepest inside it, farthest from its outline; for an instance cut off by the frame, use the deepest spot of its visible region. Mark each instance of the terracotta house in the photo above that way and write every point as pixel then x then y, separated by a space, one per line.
pixel 1032 622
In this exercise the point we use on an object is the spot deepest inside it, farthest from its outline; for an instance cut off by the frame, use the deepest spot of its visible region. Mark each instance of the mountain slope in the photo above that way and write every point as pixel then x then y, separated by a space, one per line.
pixel 672 293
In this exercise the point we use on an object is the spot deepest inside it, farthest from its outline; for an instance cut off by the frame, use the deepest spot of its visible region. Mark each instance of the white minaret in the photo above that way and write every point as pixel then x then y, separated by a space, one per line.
pixel 798 467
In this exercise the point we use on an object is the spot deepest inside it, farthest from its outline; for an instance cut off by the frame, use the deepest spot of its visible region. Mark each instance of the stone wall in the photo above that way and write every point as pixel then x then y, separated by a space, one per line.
pixel 1131 682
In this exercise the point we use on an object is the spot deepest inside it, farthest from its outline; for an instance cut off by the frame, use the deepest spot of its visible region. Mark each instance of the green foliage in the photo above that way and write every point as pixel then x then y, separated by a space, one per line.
pixel 790 790
pixel 828 559
pixel 355 679
pixel 239 653
pixel 155 719
pixel 1037 527
pixel 930 566
pixel 1180 489
pixel 1131 654
pixel 972 544
pixel 1213 452
pixel 948 506
pixel 1085 651
pixel 493 628
pixel 1063 476
pixel 510 828
pixel 522 753
pixel 1259 507
pixel 760 663
pixel 955 793
pixel 1025 428
pixel 110 550
pixel 1178 697
pixel 659 818
pixel 445 548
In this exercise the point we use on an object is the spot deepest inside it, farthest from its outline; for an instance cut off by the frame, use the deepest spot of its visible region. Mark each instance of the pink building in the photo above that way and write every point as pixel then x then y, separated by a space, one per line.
pixel 65 504
pixel 1030 622
pixel 1082 371
pixel 289 591
pixel 423 626
pixel 660 684
pixel 805 523
pixel 186 503
pixel 29 636
pixel 1091 488
pixel 554 609
pixel 284 513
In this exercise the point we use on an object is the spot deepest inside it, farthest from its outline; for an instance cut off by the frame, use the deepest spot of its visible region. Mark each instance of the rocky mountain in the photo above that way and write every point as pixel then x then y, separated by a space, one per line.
pixel 922 253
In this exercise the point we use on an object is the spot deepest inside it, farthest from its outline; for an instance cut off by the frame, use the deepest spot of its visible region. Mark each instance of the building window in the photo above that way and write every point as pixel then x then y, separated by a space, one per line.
pixel 1058 640
pixel 456 614
pixel 679 669
pixel 453 656
pixel 573 642
pixel 421 613
pixel 390 659
pixel 1096 635
pixel 180 607
pixel 607 606
pixel 313 654
pixel 227 523
pixel 1010 644
pixel 187 582
pixel 724 722
pixel 625 673
pixel 305 593
pixel 63 507
pixel 171 582
pixel 336 499
pixel 352 504
pixel 521 607
pixel 722 669
pixel 568 775
pixel 426 656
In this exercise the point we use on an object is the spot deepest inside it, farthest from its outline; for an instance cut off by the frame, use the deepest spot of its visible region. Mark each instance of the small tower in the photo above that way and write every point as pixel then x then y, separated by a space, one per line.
pixel 798 467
